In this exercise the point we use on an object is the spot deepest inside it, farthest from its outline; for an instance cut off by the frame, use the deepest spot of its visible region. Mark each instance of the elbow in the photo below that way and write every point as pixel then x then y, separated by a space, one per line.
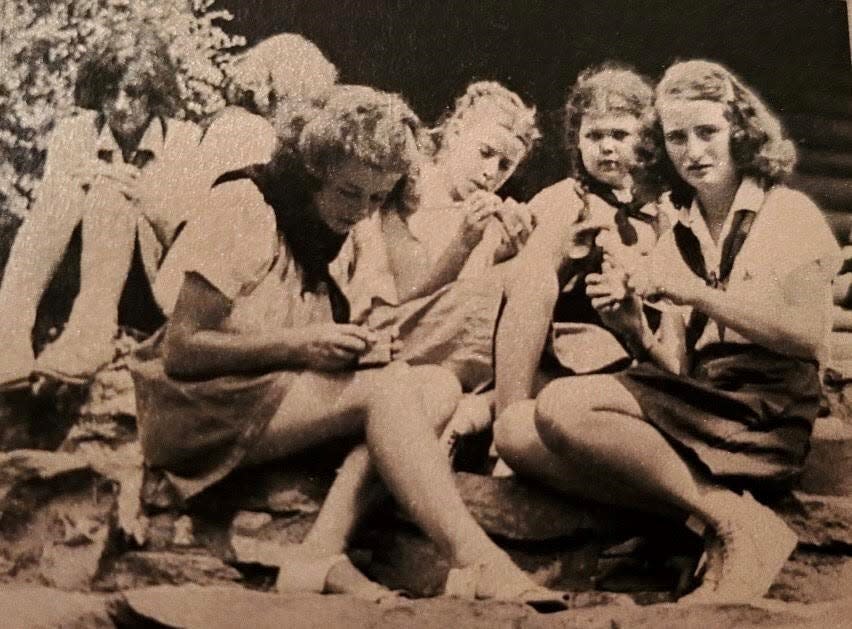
pixel 177 355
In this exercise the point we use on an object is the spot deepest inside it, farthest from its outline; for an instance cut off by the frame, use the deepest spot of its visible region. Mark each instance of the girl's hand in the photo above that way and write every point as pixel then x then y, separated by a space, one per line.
pixel 334 346
pixel 516 223
pixel 478 208
pixel 121 175
pixel 678 286
pixel 619 306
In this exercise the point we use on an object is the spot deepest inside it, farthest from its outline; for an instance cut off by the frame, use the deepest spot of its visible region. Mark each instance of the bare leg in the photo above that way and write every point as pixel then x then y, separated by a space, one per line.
pixel 36 251
pixel 521 447
pixel 404 447
pixel 605 434
pixel 109 233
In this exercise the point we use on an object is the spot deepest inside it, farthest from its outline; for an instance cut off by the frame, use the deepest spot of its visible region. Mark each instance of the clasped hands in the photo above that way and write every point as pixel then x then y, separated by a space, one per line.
pixel 515 222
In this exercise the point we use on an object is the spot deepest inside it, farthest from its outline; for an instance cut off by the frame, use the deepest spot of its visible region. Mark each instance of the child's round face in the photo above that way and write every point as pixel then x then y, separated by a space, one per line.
pixel 483 154
pixel 608 144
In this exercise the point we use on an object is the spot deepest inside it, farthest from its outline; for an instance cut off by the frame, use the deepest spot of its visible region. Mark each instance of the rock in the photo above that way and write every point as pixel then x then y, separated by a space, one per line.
pixel 22 466
pixel 821 521
pixel 810 577
pixel 29 421
pixel 828 468
pixel 226 607
pixel 183 535
pixel 248 522
pixel 55 527
pixel 141 568
pixel 30 607
pixel 73 561
pixel 515 510
pixel 193 607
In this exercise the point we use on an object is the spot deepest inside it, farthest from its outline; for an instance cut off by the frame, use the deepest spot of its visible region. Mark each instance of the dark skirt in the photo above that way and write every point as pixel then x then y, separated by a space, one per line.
pixel 198 431
pixel 744 412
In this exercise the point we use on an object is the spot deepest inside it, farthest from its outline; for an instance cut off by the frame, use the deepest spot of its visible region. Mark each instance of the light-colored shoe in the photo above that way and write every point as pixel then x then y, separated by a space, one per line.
pixel 301 569
pixel 467 582
pixel 76 358
pixel 746 553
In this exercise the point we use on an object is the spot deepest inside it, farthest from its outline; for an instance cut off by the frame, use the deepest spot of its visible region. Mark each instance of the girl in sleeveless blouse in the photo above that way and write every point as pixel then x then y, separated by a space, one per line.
pixel 605 208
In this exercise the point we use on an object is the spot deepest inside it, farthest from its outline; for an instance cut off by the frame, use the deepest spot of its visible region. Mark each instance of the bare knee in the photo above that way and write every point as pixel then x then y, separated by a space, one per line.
pixel 562 407
pixel 515 434
pixel 440 391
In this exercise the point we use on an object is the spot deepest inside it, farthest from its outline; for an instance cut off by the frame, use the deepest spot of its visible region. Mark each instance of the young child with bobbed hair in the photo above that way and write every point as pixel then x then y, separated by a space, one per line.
pixel 605 207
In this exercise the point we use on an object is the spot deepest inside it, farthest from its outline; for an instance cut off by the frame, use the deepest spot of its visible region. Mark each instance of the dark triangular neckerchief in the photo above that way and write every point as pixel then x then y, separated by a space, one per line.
pixel 313 245
pixel 623 211
pixel 690 251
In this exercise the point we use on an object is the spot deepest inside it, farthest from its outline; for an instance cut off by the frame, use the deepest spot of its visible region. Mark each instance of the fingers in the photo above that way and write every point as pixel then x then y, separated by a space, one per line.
pixel 360 332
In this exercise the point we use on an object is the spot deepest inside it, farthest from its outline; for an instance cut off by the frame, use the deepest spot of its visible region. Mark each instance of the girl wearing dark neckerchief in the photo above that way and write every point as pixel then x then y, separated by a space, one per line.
pixel 258 361
pixel 725 399
pixel 601 207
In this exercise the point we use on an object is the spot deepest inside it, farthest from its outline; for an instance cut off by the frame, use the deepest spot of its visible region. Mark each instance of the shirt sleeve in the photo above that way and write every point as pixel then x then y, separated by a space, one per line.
pixel 232 245
pixel 72 143
pixel 795 235
pixel 235 139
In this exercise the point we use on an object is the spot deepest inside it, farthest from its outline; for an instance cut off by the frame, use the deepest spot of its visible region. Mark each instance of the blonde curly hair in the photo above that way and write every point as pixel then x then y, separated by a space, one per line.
pixel 515 116
pixel 759 145
pixel 285 71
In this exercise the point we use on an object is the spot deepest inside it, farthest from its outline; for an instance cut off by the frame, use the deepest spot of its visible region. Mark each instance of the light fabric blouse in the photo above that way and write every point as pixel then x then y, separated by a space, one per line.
pixel 234 245
pixel 789 233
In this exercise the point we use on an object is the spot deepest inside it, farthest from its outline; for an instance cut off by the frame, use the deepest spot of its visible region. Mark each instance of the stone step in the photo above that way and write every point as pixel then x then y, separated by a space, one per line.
pixel 828 468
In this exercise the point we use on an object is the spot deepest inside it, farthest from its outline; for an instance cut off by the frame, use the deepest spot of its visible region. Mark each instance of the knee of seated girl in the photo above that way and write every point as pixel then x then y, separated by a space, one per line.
pixel 441 392
pixel 515 429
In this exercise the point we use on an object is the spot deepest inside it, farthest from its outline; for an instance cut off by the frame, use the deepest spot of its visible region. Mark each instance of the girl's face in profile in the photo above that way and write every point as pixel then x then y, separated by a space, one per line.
pixel 698 141
pixel 482 154
pixel 608 144
pixel 351 192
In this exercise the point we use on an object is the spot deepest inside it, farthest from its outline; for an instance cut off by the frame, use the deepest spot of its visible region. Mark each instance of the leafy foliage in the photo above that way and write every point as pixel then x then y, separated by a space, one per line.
pixel 41 45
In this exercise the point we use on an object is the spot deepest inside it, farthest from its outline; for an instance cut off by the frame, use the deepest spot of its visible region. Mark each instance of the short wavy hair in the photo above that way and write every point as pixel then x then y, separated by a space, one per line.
pixel 355 122
pixel 286 70
pixel 613 88
pixel 516 116
pixel 759 145
pixel 141 58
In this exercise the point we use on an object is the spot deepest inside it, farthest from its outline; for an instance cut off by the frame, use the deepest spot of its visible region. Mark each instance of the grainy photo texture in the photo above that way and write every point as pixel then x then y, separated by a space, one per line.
pixel 414 313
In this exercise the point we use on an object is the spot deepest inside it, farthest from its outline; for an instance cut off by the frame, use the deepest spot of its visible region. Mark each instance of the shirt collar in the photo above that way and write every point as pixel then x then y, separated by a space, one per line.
pixel 749 196
pixel 152 140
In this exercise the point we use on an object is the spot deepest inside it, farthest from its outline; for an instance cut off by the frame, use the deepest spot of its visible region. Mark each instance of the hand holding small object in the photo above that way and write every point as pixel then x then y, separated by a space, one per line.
pixel 477 208
pixel 334 346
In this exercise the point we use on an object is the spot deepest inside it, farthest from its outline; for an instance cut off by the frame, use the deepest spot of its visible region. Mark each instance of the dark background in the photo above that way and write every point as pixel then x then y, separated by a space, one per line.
pixel 429 50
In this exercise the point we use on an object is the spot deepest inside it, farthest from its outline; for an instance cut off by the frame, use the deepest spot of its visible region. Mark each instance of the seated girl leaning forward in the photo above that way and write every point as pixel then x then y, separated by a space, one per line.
pixel 257 360
pixel 111 169
pixel 425 264
pixel 604 209
pixel 281 79
pixel 727 398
